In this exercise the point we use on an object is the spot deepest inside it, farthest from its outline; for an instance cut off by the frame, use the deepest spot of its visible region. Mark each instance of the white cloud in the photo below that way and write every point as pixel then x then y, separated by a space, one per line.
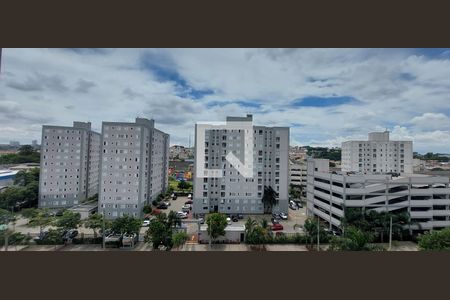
pixel 395 89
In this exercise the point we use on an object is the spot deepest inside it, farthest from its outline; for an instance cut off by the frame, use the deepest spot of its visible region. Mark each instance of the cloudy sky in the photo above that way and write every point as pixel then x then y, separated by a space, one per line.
pixel 326 96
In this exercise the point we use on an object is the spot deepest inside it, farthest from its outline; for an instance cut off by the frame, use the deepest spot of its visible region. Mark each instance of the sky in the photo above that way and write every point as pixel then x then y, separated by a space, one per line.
pixel 325 96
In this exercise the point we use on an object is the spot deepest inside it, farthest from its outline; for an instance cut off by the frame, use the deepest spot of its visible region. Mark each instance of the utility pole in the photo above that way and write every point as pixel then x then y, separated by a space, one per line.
pixel 390 234
pixel 103 229
pixel 318 239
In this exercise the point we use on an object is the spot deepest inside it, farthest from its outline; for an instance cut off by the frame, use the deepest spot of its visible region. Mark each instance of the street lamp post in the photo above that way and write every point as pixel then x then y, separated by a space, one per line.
pixel 318 240
pixel 390 234
pixel 103 230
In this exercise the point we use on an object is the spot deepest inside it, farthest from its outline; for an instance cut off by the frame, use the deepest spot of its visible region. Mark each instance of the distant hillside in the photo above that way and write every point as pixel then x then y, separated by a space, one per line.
pixel 324 152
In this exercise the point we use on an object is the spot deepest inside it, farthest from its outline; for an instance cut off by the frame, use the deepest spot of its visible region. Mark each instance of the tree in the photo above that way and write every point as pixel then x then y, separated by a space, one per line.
pixel 126 224
pixel 24 177
pixel 354 240
pixel 310 227
pixel 5 218
pixel 159 233
pixel 216 226
pixel 69 220
pixel 26 150
pixel 173 220
pixel 41 218
pixel 435 240
pixel 94 222
pixel 147 209
pixel 269 199
pixel 183 185
pixel 179 238
pixel 250 225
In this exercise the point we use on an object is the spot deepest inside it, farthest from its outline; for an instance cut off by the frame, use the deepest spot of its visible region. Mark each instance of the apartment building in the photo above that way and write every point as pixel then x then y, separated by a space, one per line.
pixel 425 198
pixel 229 191
pixel 377 155
pixel 69 164
pixel 133 166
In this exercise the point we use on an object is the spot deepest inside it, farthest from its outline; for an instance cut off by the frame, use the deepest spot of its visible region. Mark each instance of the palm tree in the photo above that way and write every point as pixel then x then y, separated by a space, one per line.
pixel 250 225
pixel 269 199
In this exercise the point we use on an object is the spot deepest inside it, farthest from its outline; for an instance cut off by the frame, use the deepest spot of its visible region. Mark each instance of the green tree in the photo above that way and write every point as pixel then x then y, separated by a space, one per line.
pixel 269 199
pixel 126 224
pixel 435 240
pixel 311 229
pixel 159 233
pixel 216 226
pixel 354 240
pixel 94 222
pixel 173 220
pixel 250 225
pixel 41 218
pixel 69 220
pixel 147 209
pixel 26 150
pixel 179 238
pixel 183 185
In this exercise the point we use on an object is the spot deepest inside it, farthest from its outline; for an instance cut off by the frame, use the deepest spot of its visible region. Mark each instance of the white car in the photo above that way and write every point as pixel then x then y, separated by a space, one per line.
pixel 182 215
pixel 283 216
pixel 229 221
pixel 146 223
pixel 190 196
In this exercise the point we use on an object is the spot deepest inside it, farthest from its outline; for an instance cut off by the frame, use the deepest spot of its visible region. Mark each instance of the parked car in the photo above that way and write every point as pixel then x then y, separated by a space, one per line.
pixel 188 202
pixel 186 208
pixel 276 215
pixel 167 203
pixel 69 234
pixel 240 216
pixel 182 215
pixel 293 207
pixel 299 204
pixel 162 205
pixel 229 221
pixel 156 212
pixel 283 216
pixel 201 220
pixel 174 197
pixel 234 218
pixel 277 227
pixel 41 236
pixel 275 221
pixel 146 223
pixel 190 196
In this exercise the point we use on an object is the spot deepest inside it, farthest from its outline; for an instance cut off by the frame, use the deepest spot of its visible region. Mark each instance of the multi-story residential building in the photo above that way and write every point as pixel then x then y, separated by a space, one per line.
pixel 231 192
pixel 69 164
pixel 425 198
pixel 377 155
pixel 133 166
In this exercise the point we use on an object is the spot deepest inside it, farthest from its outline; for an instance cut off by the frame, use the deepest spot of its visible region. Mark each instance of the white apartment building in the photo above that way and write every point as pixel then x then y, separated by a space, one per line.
pixel 425 198
pixel 133 166
pixel 69 165
pixel 232 193
pixel 378 155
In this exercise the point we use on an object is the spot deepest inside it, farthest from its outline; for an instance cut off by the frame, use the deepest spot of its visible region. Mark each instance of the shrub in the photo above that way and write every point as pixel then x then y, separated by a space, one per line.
pixel 147 209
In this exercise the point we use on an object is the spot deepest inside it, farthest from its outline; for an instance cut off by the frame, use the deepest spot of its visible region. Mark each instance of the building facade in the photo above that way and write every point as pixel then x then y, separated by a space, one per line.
pixel 69 165
pixel 134 165
pixel 232 193
pixel 377 155
pixel 425 198
pixel 298 172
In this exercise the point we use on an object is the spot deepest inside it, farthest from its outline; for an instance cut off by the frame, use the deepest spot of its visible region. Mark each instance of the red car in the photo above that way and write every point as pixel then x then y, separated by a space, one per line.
pixel 188 202
pixel 276 227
